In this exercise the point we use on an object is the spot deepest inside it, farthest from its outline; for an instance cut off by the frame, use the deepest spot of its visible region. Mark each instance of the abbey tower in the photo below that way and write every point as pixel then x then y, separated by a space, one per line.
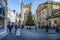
pixel 24 12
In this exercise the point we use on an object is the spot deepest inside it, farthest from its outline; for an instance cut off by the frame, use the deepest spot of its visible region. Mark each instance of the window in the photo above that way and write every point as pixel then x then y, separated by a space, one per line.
pixel 0 10
pixel 55 22
pixel 3 13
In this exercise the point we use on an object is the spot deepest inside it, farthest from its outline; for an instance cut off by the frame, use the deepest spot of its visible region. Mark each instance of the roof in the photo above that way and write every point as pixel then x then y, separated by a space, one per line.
pixel 43 4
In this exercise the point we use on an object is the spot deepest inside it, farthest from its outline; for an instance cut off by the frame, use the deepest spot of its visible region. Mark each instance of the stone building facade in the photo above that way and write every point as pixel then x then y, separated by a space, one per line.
pixel 9 16
pixel 24 12
pixel 35 19
pixel 18 19
pixel 3 17
pixel 48 12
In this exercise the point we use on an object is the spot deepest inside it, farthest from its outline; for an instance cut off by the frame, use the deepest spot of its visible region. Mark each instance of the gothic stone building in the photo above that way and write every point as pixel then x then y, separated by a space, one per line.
pixel 24 12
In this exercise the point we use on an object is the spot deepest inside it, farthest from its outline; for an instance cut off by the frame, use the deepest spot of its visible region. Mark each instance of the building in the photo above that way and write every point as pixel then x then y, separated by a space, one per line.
pixel 3 17
pixel 24 12
pixel 48 13
pixel 18 18
pixel 41 14
pixel 35 19
pixel 9 16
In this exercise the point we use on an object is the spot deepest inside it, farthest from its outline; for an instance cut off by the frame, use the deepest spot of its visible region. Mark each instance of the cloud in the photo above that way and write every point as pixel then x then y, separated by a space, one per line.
pixel 57 0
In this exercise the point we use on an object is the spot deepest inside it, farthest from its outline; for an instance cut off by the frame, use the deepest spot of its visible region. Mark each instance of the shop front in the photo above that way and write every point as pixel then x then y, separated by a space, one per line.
pixel 3 21
pixel 1 25
pixel 53 21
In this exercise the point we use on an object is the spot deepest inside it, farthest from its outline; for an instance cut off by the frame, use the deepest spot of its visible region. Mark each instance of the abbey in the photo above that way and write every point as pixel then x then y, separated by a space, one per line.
pixel 24 12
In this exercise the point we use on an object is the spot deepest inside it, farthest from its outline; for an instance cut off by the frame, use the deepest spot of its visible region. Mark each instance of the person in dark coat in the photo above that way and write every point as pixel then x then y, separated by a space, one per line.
pixel 15 28
pixel 9 27
pixel 39 26
pixel 12 26
pixel 47 28
pixel 57 29
pixel 35 28
pixel 22 26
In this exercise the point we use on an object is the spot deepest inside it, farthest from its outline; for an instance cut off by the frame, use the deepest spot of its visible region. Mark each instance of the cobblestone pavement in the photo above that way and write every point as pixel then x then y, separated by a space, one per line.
pixel 34 35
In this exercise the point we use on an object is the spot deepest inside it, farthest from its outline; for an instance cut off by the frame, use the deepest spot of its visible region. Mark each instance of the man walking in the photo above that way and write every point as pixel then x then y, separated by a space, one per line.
pixel 15 28
pixel 22 26
pixel 47 28
pixel 9 27
pixel 57 28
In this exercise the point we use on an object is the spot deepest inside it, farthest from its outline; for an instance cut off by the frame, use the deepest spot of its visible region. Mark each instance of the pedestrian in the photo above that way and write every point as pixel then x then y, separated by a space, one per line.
pixel 22 26
pixel 9 27
pixel 42 25
pixel 39 27
pixel 19 26
pixel 29 28
pixel 15 28
pixel 47 28
pixel 57 28
pixel 35 27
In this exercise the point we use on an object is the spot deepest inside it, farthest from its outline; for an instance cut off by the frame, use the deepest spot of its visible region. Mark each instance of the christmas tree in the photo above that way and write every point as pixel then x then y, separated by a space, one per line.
pixel 30 21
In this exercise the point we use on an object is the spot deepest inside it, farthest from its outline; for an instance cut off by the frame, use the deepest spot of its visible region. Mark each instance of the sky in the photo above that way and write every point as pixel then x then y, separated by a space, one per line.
pixel 16 5
pixel 57 0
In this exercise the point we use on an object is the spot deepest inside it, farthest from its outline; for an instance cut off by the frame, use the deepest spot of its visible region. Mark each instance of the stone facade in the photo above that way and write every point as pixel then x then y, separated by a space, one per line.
pixel 52 21
pixel 24 12
pixel 35 19
pixel 9 16
pixel 46 10
pixel 18 18
pixel 3 17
